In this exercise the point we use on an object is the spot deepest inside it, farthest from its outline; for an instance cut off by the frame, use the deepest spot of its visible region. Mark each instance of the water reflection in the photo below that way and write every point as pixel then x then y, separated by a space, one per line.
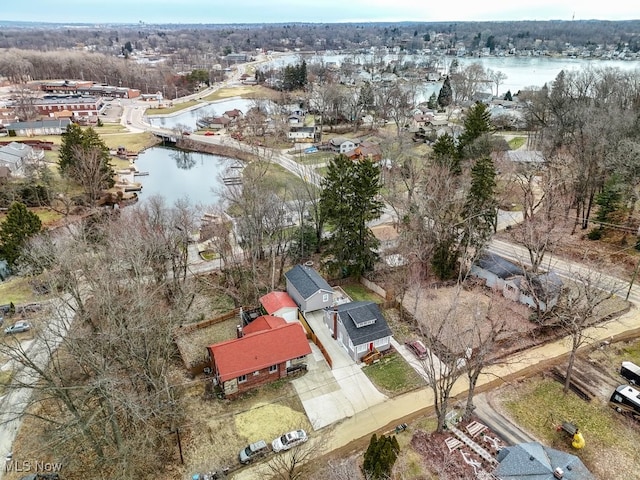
pixel 184 160
pixel 176 174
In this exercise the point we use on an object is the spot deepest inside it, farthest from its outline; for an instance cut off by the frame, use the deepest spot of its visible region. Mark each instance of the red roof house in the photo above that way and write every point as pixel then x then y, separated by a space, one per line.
pixel 270 350
pixel 280 304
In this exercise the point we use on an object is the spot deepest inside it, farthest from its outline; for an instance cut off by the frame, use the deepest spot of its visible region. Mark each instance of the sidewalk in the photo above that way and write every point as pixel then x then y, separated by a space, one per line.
pixel 392 411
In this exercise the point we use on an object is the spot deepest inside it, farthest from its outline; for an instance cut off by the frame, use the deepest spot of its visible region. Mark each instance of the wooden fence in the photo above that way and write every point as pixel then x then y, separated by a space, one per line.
pixel 314 338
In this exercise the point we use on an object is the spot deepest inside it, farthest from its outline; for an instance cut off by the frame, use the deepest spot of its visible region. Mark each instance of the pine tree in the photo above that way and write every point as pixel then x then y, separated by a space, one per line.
pixel 19 225
pixel 445 153
pixel 432 103
pixel 380 457
pixel 348 202
pixel 445 96
pixel 476 124
pixel 481 205
pixel 76 145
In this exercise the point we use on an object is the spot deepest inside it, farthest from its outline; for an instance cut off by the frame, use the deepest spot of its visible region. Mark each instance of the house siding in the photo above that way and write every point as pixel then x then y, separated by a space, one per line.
pixel 232 388
pixel 313 303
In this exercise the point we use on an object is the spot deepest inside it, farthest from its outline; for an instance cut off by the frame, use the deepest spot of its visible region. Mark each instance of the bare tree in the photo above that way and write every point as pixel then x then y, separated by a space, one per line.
pixel 544 208
pixel 445 361
pixel 90 172
pixel 294 464
pixel 497 77
pixel 581 307
pixel 100 382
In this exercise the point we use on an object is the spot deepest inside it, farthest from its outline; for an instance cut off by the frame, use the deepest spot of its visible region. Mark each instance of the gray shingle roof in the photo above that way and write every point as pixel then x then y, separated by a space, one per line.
pixel 499 266
pixel 354 313
pixel 307 281
pixel 534 461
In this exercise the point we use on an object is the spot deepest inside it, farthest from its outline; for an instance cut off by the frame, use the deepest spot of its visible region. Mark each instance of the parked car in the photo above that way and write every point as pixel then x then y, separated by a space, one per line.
pixel 18 327
pixel 289 440
pixel 208 133
pixel 417 347
pixel 251 452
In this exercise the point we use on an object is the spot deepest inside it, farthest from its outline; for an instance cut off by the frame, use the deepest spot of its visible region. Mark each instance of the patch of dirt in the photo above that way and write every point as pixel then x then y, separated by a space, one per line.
pixel 218 429
pixel 430 307
pixel 193 345
pixel 258 423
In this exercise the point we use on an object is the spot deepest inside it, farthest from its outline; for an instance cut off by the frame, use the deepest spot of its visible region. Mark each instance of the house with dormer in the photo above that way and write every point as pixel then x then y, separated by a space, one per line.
pixel 359 327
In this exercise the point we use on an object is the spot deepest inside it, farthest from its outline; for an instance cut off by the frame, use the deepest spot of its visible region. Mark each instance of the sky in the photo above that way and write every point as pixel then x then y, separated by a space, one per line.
pixel 316 11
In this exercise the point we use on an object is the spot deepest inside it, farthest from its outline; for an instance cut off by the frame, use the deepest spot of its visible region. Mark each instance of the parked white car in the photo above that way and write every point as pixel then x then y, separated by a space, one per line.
pixel 289 440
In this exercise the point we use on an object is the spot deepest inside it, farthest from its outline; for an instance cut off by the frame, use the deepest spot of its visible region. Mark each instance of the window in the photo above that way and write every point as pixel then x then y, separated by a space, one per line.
pixel 381 342
pixel 361 348
pixel 325 298
pixel 273 368
pixel 242 378
pixel 256 373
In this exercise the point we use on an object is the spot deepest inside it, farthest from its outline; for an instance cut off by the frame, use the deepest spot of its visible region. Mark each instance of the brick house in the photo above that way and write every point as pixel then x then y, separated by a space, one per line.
pixel 266 350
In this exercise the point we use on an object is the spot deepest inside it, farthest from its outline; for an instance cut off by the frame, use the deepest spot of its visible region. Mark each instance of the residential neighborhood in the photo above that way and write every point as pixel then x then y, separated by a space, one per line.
pixel 376 250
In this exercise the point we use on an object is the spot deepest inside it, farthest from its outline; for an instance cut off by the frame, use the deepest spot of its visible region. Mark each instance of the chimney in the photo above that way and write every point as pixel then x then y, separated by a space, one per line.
pixel 239 332
pixel 558 473
pixel 335 323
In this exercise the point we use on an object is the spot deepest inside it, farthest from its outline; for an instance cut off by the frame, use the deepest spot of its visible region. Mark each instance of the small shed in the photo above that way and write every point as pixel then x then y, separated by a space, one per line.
pixel 280 304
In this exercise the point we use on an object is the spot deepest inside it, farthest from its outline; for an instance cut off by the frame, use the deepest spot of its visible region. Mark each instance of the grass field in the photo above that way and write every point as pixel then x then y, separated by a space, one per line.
pixel 17 290
pixel 539 406
pixel 359 292
pixel 393 376
pixel 135 142
pixel 516 142
pixel 175 108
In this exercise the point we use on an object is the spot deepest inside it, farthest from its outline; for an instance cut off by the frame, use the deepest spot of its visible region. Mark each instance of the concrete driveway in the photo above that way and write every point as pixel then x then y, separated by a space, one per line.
pixel 329 395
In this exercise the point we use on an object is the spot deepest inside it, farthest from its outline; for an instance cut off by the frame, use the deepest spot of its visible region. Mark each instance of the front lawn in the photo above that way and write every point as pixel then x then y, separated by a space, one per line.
pixel 16 290
pixel 393 376
pixel 538 405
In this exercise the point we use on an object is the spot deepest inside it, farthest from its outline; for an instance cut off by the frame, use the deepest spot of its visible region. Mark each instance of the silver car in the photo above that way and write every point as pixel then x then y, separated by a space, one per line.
pixel 253 451
pixel 18 327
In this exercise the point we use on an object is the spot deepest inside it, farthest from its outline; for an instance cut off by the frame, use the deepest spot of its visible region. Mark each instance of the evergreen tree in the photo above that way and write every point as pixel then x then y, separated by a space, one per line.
pixel 445 96
pixel 609 200
pixel 76 145
pixel 70 140
pixel 432 103
pixel 445 153
pixel 476 124
pixel 380 457
pixel 508 97
pixel 348 202
pixel 19 225
pixel 481 206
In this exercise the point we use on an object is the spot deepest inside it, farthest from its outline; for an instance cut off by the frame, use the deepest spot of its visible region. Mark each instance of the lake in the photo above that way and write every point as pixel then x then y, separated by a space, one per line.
pixel 190 117
pixel 521 72
pixel 176 174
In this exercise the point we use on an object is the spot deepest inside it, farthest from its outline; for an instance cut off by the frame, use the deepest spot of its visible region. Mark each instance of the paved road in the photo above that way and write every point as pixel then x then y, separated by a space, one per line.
pixel 14 403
